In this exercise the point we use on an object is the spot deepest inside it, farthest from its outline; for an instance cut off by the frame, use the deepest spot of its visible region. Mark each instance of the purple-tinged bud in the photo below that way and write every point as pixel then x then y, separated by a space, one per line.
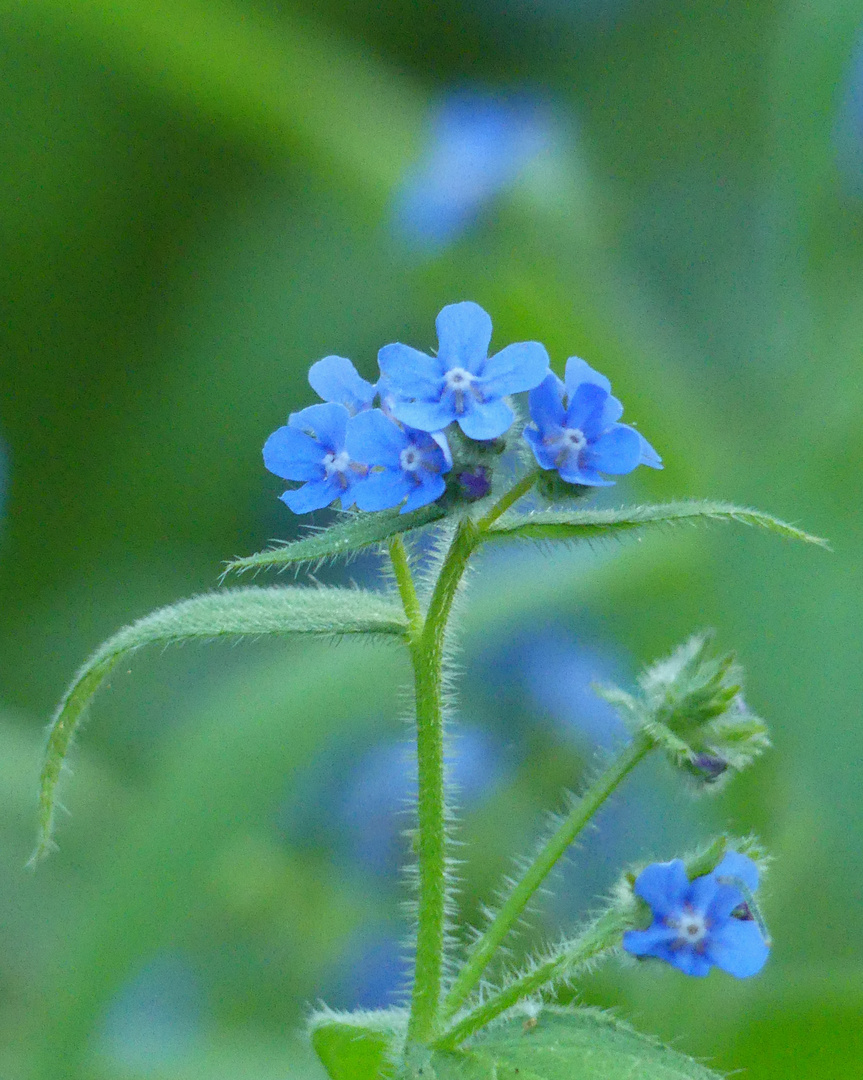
pixel 475 483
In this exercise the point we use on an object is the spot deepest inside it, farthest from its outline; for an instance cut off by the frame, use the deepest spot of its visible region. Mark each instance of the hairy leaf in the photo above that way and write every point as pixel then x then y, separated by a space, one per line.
pixel 229 614
pixel 352 534
pixel 585 524
pixel 560 1044
pixel 353 1050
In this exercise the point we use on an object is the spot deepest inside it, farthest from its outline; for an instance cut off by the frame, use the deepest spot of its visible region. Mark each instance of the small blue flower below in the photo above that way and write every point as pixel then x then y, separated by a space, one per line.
pixel 405 465
pixel 577 431
pixel 462 383
pixel 702 923
pixel 311 447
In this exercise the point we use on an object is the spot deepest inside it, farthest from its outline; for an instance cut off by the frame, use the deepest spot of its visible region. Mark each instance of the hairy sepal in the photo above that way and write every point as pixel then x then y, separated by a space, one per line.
pixel 587 524
pixel 359 1046
pixel 232 613
pixel 558 1044
pixel 354 533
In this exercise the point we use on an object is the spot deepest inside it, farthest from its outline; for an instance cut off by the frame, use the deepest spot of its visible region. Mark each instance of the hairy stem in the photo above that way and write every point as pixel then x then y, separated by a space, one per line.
pixel 427 640
pixel 552 851
pixel 601 935
pixel 519 489
pixel 405 583
pixel 427 652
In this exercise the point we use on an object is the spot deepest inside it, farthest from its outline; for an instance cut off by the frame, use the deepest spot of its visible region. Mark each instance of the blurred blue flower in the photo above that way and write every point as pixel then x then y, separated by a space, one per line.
pixel 479 145
pixel 335 379
pixel 702 923
pixel 312 448
pixel 560 674
pixel 576 430
pixel 371 974
pixel 405 465
pixel 371 813
pixel 155 1019
pixel 462 383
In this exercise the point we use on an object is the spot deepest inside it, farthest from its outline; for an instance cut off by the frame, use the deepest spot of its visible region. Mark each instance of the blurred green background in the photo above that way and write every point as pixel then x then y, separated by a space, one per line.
pixel 199 200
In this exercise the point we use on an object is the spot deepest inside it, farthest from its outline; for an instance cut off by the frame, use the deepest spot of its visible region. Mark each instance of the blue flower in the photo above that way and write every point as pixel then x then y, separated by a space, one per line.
pixel 577 432
pixel 479 145
pixel 404 464
pixel 701 923
pixel 312 448
pixel 462 383
pixel 335 379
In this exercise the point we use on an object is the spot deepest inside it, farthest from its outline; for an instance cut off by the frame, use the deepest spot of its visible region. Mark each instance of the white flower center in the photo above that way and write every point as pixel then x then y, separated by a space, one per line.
pixel 336 463
pixel 458 378
pixel 410 459
pixel 574 439
pixel 691 927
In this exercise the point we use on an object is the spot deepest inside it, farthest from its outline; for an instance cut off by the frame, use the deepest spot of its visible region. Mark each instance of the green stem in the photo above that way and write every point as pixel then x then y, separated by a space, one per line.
pixel 552 851
pixel 427 642
pixel 506 501
pixel 601 935
pixel 427 654
pixel 405 583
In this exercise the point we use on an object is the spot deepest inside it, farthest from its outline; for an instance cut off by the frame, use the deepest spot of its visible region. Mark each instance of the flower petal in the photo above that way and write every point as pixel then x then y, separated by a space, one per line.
pixel 464 333
pixel 293 455
pixel 649 456
pixel 664 886
pixel 327 423
pixel 425 415
pixel 380 491
pixel 486 420
pixel 336 379
pixel 545 403
pixel 430 489
pixel 737 947
pixel 312 496
pixel 518 367
pixel 616 451
pixel 374 439
pixel 690 962
pixel 735 865
pixel 409 373
pixel 710 898
pixel 573 473
pixel 578 371
pixel 654 941
pixel 585 401
pixel 546 456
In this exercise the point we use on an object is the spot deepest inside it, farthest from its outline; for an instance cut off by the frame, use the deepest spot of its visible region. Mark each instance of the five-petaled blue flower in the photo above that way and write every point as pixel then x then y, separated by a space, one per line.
pixel 577 431
pixel 404 464
pixel 336 379
pixel 312 448
pixel 462 383
pixel 701 923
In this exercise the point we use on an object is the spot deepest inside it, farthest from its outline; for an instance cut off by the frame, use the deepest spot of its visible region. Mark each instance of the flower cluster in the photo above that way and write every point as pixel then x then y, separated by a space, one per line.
pixel 702 923
pixel 399 453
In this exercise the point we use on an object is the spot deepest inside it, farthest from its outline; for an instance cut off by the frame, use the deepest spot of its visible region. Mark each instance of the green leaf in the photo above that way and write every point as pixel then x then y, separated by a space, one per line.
pixel 350 1051
pixel 353 534
pixel 560 1044
pixel 230 614
pixel 586 524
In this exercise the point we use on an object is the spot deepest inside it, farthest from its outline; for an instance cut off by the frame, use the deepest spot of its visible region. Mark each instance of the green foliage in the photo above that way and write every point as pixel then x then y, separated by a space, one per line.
pixel 235 613
pixel 587 524
pixel 691 705
pixel 560 1044
pixel 357 1046
pixel 354 533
